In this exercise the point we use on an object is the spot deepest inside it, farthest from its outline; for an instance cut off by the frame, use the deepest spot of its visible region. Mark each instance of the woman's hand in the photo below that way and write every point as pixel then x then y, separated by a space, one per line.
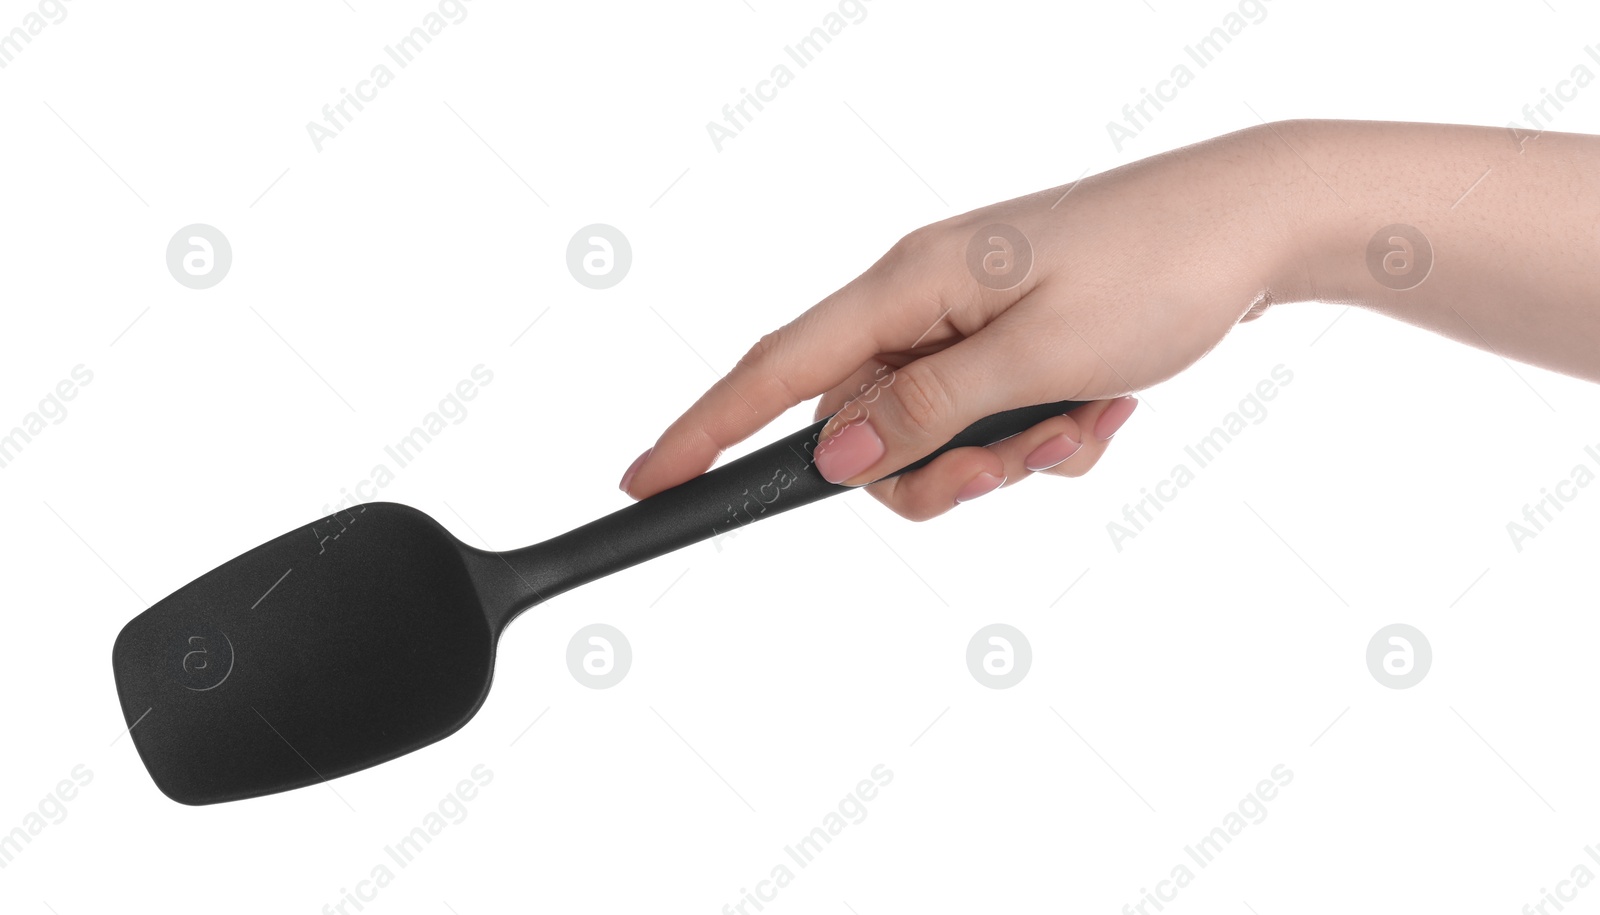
pixel 1085 292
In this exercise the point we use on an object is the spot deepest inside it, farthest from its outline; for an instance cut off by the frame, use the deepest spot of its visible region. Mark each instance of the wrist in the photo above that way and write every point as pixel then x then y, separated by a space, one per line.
pixel 1303 257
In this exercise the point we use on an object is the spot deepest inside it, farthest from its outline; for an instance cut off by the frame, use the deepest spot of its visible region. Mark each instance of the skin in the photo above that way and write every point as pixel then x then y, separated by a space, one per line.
pixel 1140 271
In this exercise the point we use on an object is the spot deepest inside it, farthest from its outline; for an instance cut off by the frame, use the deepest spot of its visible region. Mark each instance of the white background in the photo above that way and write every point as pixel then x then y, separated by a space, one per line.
pixel 1227 638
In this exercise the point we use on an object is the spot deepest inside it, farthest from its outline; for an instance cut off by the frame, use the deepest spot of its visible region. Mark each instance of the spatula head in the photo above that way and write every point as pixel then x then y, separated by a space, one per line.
pixel 335 647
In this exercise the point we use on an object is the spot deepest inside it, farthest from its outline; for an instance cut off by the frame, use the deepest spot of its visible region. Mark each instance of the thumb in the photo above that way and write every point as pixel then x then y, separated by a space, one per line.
pixel 908 413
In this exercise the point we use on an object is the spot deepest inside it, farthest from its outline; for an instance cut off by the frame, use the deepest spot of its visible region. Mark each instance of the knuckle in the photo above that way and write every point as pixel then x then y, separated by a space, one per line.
pixel 923 398
pixel 763 350
pixel 911 497
pixel 905 503
pixel 760 365
pixel 913 248
pixel 910 243
pixel 890 495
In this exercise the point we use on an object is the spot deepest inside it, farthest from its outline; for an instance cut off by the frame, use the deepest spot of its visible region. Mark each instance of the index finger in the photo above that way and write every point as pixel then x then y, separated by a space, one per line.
pixel 804 358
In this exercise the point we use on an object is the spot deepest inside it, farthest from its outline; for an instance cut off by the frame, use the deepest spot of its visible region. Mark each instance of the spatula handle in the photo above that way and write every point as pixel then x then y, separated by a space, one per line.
pixel 772 480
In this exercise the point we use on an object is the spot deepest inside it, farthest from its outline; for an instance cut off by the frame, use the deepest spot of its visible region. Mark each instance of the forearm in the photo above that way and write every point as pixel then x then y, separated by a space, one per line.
pixel 1513 223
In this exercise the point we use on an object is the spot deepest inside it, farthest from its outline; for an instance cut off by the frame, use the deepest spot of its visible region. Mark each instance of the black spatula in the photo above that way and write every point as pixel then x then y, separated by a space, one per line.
pixel 372 632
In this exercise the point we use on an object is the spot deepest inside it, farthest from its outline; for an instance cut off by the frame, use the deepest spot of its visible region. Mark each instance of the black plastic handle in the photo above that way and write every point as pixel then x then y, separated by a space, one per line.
pixel 772 480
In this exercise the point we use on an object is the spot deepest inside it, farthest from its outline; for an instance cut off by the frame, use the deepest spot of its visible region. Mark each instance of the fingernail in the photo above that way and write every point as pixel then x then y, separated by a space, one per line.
pixel 1114 416
pixel 982 484
pixel 848 452
pixel 634 468
pixel 1055 450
